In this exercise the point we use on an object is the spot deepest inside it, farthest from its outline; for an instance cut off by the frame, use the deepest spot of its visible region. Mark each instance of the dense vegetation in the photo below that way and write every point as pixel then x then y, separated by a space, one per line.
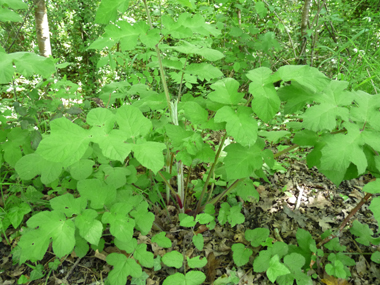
pixel 175 107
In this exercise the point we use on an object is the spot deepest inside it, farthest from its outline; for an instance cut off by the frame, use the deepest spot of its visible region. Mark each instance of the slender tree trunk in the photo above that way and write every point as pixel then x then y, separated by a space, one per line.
pixel 42 27
pixel 304 23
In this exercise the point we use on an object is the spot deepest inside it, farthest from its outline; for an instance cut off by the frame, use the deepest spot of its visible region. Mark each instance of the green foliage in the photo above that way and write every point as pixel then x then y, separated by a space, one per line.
pixel 102 165
pixel 240 254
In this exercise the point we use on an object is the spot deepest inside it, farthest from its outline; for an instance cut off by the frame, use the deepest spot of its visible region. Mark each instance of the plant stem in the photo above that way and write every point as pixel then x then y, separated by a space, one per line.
pixel 162 72
pixel 285 150
pixel 224 193
pixel 210 173
pixel 170 187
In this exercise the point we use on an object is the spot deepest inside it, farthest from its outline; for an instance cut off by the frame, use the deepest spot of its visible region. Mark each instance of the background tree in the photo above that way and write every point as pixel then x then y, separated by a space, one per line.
pixel 42 28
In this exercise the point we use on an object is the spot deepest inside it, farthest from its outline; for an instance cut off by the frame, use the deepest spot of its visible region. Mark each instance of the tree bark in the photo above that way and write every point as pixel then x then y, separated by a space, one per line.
pixel 42 27
pixel 304 23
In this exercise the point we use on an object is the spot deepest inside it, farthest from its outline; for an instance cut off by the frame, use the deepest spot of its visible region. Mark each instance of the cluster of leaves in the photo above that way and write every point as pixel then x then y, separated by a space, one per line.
pixel 91 164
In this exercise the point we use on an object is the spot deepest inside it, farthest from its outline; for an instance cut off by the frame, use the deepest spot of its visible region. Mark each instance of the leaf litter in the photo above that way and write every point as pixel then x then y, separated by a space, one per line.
pixel 321 206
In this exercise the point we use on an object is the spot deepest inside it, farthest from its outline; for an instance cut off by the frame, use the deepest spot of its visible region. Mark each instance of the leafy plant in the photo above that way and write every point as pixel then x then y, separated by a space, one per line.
pixel 105 167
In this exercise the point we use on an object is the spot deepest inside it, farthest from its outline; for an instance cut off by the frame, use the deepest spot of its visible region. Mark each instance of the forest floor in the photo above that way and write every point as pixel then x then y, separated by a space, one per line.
pixel 322 206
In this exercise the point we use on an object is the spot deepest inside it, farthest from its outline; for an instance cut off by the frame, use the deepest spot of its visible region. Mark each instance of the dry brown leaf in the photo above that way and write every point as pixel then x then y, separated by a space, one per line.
pixel 320 202
pixel 212 264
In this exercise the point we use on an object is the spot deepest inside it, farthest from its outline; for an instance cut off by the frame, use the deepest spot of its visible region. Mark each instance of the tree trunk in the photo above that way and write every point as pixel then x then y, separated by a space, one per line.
pixel 42 27
pixel 304 22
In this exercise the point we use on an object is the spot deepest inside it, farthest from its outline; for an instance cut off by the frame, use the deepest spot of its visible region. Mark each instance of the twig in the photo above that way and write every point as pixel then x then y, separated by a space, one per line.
pixel 345 221
pixel 72 269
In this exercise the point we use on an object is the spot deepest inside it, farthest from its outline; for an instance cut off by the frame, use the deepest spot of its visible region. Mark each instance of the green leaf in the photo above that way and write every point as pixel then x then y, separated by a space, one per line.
pixel 123 267
pixel 191 278
pixel 115 176
pixel 121 226
pixel 323 117
pixel 194 112
pixel 295 263
pixel 240 124
pixel 97 192
pixel 204 218
pixel 266 102
pixel 310 77
pixel 235 217
pixel 340 150
pixel 187 3
pixel 305 138
pixel 67 143
pixel 375 208
pixel 375 257
pixel 260 9
pixel 6 66
pixel 186 221
pixel 12 153
pixel 306 241
pixel 142 280
pixel 241 254
pixel 101 117
pixel 37 273
pixel 51 225
pixel 226 92
pixel 364 234
pixel 132 122
pixel 177 30
pixel 295 97
pixel 267 42
pixel 16 213
pixel 198 241
pixel 274 136
pixel 335 245
pixel 162 240
pixel 151 38
pixel 82 169
pixel 241 161
pixel 204 71
pixel 89 227
pixel 261 262
pixel 81 246
pixel 33 164
pixel 205 154
pixel 336 269
pixel 372 187
pixel 150 155
pixel 246 190
pixel 7 15
pixel 223 213
pixel 177 135
pixel 196 262
pixel 143 218
pixel 276 268
pixel 173 259
pixel 15 4
pixel 188 48
pixel 257 236
pixel 236 32
pixel 143 256
pixel 29 63
pixel 367 111
pixel 68 205
pixel 127 245
pixel 108 10
pixel 113 145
